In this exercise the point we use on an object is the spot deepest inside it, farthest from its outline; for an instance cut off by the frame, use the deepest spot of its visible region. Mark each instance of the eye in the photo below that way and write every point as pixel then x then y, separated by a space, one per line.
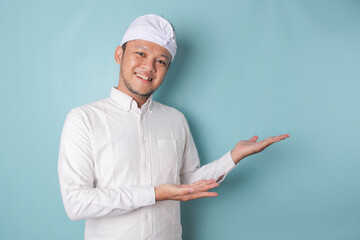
pixel 140 53
pixel 161 62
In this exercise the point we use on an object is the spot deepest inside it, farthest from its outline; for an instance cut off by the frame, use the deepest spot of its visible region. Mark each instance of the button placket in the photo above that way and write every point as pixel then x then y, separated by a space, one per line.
pixel 146 145
pixel 146 174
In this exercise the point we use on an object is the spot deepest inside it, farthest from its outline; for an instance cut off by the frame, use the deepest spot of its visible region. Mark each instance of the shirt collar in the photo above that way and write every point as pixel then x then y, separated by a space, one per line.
pixel 125 101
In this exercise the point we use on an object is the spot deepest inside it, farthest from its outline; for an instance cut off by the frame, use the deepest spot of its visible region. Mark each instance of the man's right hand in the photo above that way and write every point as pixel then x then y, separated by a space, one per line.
pixel 186 192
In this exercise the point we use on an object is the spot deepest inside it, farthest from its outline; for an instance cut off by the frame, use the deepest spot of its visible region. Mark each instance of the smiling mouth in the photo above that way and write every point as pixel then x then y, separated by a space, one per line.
pixel 143 77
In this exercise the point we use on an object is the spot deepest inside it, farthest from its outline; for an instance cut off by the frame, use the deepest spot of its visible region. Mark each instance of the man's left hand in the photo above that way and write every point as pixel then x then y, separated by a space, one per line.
pixel 248 147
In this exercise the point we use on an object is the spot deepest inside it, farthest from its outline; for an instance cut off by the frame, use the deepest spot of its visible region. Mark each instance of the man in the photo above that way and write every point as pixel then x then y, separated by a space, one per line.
pixel 122 158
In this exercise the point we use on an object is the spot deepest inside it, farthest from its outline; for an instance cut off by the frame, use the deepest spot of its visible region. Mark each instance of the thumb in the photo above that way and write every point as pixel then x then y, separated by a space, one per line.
pixel 254 138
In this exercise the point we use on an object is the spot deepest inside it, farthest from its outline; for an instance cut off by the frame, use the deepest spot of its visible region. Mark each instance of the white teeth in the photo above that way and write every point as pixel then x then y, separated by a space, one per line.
pixel 143 77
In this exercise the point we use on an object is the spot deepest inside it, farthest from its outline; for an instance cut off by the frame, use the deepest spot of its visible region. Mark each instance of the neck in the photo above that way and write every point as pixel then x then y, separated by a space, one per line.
pixel 140 100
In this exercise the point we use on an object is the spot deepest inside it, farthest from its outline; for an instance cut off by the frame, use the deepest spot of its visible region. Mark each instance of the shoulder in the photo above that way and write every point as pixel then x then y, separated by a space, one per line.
pixel 89 112
pixel 91 108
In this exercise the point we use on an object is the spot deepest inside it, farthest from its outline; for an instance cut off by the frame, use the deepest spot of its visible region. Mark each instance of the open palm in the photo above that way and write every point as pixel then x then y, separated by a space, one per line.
pixel 245 148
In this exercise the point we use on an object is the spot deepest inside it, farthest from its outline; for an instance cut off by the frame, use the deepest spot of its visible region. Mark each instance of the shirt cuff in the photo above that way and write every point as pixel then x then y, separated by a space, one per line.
pixel 226 164
pixel 143 196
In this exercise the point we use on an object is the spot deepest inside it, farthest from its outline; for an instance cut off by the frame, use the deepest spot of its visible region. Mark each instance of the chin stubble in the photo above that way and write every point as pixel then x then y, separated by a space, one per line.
pixel 133 91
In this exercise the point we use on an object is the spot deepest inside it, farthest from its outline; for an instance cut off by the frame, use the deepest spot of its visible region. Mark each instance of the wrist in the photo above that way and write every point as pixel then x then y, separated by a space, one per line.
pixel 235 157
pixel 158 194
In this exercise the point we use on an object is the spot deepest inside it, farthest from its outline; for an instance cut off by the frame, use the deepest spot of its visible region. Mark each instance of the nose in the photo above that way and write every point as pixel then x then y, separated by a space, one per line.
pixel 149 65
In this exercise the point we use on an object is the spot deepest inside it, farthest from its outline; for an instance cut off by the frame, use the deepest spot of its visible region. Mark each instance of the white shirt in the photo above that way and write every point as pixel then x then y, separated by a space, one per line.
pixel 112 155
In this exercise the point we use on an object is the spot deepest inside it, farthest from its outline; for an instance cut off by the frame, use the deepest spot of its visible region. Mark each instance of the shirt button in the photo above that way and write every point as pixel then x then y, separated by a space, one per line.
pixel 145 165
pixel 144 141
pixel 146 217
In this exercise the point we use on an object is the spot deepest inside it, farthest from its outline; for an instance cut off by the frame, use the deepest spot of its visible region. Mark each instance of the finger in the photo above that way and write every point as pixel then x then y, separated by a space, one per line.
pixel 283 136
pixel 202 183
pixel 270 140
pixel 203 187
pixel 274 139
pixel 206 187
pixel 254 138
pixel 202 195
pixel 194 187
pixel 196 196
pixel 279 138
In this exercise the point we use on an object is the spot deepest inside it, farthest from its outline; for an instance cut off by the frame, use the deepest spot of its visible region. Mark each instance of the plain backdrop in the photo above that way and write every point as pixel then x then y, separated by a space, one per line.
pixel 243 67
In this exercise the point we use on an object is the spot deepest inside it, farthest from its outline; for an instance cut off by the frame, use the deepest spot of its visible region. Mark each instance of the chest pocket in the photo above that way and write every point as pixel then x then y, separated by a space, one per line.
pixel 168 159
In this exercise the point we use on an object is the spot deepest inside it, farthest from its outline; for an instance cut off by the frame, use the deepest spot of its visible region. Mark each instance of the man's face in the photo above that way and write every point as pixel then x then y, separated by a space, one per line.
pixel 143 66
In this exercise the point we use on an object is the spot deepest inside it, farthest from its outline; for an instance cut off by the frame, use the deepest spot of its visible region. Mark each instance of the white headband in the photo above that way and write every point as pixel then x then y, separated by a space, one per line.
pixel 152 28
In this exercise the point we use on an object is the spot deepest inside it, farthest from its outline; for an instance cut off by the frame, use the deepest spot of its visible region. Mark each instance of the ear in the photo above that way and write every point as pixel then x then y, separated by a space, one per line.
pixel 118 54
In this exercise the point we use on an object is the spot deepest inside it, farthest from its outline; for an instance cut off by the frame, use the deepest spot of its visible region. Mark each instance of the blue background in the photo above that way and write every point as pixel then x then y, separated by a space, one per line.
pixel 242 68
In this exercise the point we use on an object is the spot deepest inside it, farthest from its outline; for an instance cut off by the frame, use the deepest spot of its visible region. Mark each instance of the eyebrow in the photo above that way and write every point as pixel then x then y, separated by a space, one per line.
pixel 167 58
pixel 142 47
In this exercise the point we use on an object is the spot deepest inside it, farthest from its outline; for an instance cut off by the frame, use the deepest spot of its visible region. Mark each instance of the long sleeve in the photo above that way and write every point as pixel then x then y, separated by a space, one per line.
pixel 191 171
pixel 82 199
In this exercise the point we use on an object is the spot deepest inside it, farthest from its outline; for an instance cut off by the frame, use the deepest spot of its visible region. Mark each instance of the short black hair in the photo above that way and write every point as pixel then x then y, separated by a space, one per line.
pixel 124 47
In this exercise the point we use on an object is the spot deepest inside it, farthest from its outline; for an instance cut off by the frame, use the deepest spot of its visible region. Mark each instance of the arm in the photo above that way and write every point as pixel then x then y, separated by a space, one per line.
pixel 82 199
pixel 218 169
pixel 191 171
pixel 199 189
